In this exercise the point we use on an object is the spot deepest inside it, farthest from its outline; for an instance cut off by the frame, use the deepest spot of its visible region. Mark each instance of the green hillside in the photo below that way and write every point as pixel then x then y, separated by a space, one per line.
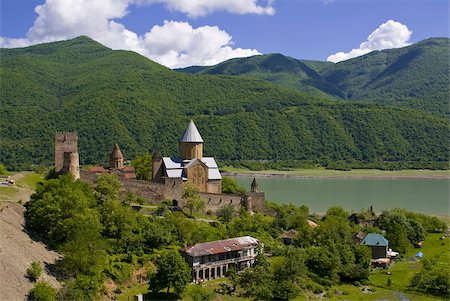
pixel 415 76
pixel 119 96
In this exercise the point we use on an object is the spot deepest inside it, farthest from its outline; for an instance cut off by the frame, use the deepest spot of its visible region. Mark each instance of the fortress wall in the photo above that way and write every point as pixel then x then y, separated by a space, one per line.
pixel 172 189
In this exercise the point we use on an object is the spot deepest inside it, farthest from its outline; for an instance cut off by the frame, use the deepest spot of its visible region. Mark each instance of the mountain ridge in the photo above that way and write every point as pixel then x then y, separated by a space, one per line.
pixel 114 96
pixel 415 76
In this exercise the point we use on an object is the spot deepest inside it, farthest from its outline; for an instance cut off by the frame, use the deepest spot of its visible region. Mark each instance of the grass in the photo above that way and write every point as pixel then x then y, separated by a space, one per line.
pixel 7 193
pixel 322 172
pixel 29 180
pixel 129 294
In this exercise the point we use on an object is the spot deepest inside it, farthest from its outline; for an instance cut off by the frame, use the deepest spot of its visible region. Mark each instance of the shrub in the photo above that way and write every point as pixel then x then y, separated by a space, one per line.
pixel 42 291
pixel 200 293
pixel 34 271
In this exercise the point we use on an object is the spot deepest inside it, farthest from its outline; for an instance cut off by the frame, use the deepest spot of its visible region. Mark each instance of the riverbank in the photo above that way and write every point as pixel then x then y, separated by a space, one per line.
pixel 320 173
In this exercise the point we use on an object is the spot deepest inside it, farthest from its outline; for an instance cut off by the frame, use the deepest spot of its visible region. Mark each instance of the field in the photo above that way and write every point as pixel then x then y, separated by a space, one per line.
pixel 356 173
pixel 25 183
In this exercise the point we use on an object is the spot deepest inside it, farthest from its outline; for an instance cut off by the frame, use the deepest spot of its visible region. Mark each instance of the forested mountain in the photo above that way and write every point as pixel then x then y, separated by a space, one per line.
pixel 415 76
pixel 119 96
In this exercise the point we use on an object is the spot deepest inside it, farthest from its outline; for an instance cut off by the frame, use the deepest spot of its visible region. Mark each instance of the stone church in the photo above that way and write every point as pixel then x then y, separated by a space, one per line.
pixel 194 169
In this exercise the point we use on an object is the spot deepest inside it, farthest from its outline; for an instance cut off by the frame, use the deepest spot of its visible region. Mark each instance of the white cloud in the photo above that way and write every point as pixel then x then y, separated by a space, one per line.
pixel 199 8
pixel 390 34
pixel 173 44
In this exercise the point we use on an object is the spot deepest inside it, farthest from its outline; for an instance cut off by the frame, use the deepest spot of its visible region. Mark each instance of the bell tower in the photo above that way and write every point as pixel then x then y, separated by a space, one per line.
pixel 191 143
pixel 116 158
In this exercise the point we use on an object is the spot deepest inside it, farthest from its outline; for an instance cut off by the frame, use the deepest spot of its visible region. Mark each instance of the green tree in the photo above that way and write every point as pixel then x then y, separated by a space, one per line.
pixel 230 186
pixel 143 167
pixel 34 271
pixel 173 272
pixel 107 186
pixel 194 202
pixel 226 213
pixel 42 291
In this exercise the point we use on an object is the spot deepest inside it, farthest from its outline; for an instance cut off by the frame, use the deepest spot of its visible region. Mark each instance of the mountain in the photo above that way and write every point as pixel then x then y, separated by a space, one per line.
pixel 415 76
pixel 112 96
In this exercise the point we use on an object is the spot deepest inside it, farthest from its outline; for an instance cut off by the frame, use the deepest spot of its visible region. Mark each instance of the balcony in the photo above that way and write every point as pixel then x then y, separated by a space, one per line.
pixel 223 262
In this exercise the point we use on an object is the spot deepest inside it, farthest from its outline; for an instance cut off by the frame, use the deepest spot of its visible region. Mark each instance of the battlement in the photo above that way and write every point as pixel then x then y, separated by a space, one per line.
pixel 66 137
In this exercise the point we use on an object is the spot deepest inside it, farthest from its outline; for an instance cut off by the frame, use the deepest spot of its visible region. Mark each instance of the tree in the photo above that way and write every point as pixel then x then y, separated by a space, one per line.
pixel 42 291
pixel 226 213
pixel 107 187
pixel 230 186
pixel 173 272
pixel 34 271
pixel 193 200
pixel 143 167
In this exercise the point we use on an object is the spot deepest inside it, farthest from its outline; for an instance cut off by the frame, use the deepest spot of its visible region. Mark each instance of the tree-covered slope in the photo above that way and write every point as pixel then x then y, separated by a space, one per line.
pixel 119 96
pixel 415 76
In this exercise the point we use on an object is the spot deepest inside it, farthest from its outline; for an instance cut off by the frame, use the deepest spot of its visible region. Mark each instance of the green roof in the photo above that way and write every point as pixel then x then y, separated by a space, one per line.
pixel 373 239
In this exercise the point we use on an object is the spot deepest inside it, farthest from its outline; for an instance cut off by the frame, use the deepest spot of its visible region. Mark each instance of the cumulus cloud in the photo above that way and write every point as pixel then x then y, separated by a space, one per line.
pixel 199 8
pixel 173 44
pixel 390 34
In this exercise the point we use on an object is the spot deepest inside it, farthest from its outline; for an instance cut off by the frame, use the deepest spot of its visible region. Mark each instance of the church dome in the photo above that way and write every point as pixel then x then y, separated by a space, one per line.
pixel 116 153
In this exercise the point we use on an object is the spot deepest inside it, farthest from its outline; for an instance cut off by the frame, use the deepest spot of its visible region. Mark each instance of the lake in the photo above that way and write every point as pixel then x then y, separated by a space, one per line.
pixel 429 196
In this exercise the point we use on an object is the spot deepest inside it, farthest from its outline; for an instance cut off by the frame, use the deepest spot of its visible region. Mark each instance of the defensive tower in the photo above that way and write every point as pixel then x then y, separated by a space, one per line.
pixel 66 153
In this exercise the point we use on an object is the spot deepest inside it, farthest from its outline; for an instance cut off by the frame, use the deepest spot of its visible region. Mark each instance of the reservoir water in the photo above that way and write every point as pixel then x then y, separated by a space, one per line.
pixel 429 196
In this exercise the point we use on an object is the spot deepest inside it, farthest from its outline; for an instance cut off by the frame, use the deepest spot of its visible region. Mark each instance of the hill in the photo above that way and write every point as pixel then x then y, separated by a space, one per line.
pixel 119 96
pixel 415 76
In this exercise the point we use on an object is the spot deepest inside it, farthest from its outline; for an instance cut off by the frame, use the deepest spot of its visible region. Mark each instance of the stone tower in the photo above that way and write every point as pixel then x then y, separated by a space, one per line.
pixel 116 158
pixel 157 169
pixel 66 153
pixel 191 143
pixel 255 186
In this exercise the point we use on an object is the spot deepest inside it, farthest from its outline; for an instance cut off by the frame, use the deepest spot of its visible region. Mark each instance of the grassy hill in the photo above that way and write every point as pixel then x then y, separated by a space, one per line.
pixel 119 96
pixel 415 76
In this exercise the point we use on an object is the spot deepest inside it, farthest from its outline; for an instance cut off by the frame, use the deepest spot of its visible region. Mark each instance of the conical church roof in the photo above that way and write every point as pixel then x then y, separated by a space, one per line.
pixel 191 134
pixel 116 153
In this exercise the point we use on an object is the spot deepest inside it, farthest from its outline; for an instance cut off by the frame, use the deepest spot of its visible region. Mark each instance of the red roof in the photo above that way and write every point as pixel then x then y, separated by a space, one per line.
pixel 222 246
pixel 97 169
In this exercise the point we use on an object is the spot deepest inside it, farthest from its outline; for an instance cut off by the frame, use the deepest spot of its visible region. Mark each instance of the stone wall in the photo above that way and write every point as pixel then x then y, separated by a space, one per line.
pixel 172 189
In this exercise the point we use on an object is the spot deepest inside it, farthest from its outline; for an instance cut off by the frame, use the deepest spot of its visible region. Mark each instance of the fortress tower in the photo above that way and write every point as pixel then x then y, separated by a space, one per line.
pixel 191 143
pixel 66 153
pixel 116 158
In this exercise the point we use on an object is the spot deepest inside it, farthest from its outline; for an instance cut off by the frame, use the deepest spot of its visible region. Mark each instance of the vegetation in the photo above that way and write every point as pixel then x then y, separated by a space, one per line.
pixel 42 291
pixel 84 86
pixel 143 167
pixel 415 76
pixel 3 170
pixel 193 200
pixel 103 238
pixel 34 271
pixel 173 272
pixel 229 185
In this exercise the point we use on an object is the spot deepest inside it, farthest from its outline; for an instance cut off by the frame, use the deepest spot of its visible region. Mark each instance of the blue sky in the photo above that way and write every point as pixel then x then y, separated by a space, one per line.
pixel 177 34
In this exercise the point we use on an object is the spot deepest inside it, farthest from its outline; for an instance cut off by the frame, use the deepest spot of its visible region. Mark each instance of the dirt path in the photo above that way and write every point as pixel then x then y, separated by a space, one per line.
pixel 17 251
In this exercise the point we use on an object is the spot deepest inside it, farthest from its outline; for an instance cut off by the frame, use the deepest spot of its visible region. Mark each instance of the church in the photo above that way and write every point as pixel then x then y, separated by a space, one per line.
pixel 191 167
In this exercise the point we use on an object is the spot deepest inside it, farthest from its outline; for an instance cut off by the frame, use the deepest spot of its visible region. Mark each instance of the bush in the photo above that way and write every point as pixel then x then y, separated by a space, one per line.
pixel 34 271
pixel 200 293
pixel 42 291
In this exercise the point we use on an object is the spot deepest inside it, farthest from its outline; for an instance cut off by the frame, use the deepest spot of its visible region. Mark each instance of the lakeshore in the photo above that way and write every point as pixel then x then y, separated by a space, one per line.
pixel 322 173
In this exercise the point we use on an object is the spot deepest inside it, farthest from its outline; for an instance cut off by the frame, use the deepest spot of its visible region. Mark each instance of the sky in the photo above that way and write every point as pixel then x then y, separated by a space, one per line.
pixel 181 33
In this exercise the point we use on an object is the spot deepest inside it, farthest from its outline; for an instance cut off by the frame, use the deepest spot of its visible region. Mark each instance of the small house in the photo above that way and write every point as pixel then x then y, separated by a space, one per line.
pixel 377 243
pixel 289 236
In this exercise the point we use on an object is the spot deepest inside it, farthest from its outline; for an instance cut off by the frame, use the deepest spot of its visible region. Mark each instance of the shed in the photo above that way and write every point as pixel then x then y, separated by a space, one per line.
pixel 377 243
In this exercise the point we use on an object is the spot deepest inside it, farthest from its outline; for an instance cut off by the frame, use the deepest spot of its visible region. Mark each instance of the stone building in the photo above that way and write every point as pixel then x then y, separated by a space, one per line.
pixel 66 153
pixel 194 169
pixel 213 259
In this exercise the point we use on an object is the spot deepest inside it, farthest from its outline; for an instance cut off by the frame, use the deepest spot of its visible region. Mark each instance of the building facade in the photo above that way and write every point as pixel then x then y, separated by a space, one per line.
pixel 191 167
pixel 378 244
pixel 213 259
